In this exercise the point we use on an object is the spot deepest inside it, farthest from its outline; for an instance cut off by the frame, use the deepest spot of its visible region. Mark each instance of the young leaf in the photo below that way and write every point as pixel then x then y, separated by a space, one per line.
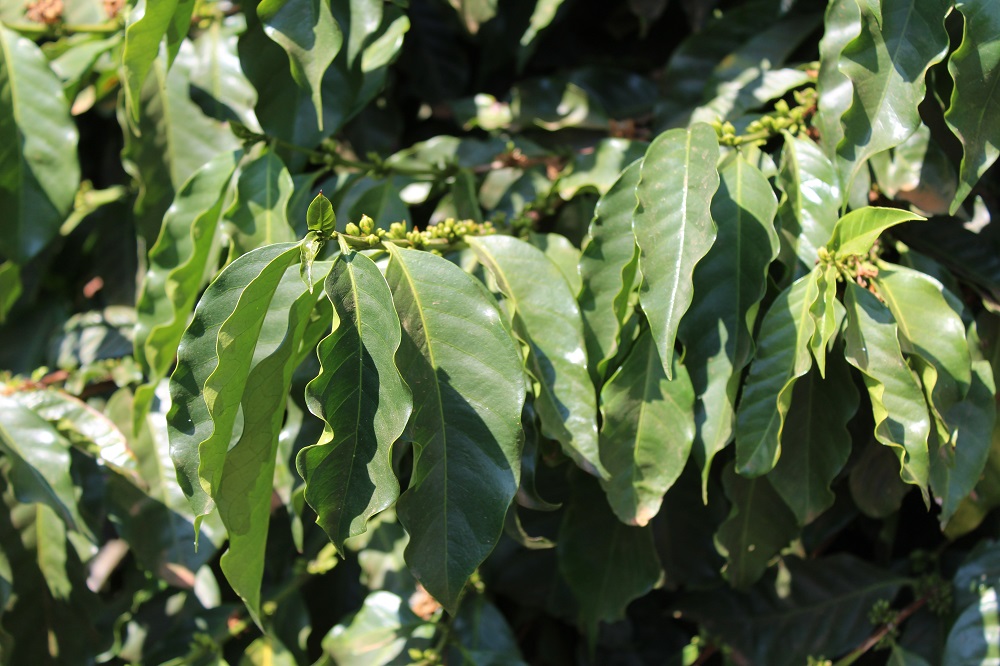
pixel 728 285
pixel 362 399
pixel 257 214
pixel 545 315
pixel 930 326
pixel 856 232
pixel 901 419
pixel 179 265
pixel 973 112
pixel 887 63
pixel 827 314
pixel 815 442
pixel 673 226
pixel 782 357
pixel 608 269
pixel 39 170
pixel 606 563
pixel 647 432
pixel 758 527
pixel 320 216
pixel 308 33
pixel 468 391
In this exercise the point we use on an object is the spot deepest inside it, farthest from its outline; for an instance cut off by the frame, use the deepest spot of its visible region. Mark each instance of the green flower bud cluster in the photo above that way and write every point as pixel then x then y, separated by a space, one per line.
pixel 444 233
pixel 793 119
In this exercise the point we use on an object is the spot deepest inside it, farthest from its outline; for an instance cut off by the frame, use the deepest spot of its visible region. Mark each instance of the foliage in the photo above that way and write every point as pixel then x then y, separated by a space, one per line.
pixel 425 332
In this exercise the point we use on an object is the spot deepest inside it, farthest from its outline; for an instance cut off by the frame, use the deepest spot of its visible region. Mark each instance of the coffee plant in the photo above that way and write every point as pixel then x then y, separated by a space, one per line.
pixel 466 332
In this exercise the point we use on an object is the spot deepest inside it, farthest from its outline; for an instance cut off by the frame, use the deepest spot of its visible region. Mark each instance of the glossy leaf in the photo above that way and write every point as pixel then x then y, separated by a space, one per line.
pixel 647 431
pixel 308 33
pixel 728 285
pixel 257 214
pixel 973 636
pixel 361 397
pixel 219 85
pixel 842 25
pixel 815 442
pixel 886 64
pixel 546 317
pixel 856 232
pixel 930 326
pixel 606 563
pixel 561 252
pixel 468 390
pixel 827 314
pixel 179 265
pixel 149 22
pixel 39 171
pixel 673 226
pixel 901 419
pixel 608 269
pixel 808 211
pixel 784 625
pixel 758 527
pixel 782 357
pixel 972 114
pixel 39 461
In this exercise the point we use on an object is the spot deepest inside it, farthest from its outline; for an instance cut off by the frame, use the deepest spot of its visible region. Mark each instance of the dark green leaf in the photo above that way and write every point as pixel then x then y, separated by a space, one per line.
pixel 465 197
pixel 972 639
pixel 602 168
pixel 808 211
pixel 815 442
pixel 728 285
pixel 362 399
pixel 782 357
pixel 39 171
pixel 758 527
pixel 606 563
pixel 647 432
pixel 901 419
pixel 918 171
pixel 673 226
pixel 886 64
pixel 257 215
pixel 563 254
pixel 972 114
pixel 546 317
pixel 180 263
pixel 608 269
pixel 10 287
pixel 308 33
pixel 468 390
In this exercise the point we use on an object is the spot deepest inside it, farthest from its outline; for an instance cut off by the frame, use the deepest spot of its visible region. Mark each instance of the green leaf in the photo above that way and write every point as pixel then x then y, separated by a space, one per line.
pixel 468 390
pixel 267 651
pixel 827 314
pixel 474 12
pixel 758 527
pixel 308 33
pixel 561 252
pixel 361 397
pixel 856 232
pixel 886 64
pixel 972 114
pixel 172 139
pixel 606 563
pixel 815 442
pixel 546 317
pixel 808 211
pixel 647 431
pixel 784 624
pixel 782 357
pixel 39 459
pixel 842 25
pixel 257 215
pixel 320 216
pixel 481 635
pixel 602 168
pixel 190 420
pixel 930 326
pixel 541 17
pixel 267 327
pixel 219 85
pixel 382 631
pixel 901 419
pixel 148 23
pixel 956 467
pixel 728 285
pixel 383 204
pixel 465 197
pixel 972 639
pixel 180 263
pixel 10 287
pixel 918 171
pixel 608 269
pixel 673 226
pixel 39 170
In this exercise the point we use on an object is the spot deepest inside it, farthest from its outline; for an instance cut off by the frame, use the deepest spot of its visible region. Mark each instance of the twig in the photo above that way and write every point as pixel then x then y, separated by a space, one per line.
pixel 882 632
